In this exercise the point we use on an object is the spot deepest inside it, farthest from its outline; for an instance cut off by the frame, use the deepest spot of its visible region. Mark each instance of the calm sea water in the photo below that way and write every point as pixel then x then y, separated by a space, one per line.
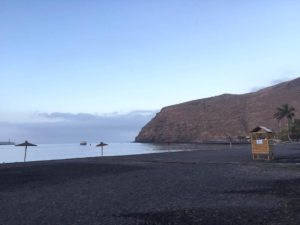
pixel 10 153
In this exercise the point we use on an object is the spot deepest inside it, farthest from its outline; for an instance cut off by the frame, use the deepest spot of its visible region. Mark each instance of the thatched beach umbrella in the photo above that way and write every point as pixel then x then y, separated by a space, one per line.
pixel 26 143
pixel 101 145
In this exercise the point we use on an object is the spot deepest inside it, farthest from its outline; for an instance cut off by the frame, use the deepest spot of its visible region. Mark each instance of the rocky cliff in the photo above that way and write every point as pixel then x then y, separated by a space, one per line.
pixel 217 118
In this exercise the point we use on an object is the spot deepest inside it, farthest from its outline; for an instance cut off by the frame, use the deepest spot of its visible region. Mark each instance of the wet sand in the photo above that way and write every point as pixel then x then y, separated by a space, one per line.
pixel 219 187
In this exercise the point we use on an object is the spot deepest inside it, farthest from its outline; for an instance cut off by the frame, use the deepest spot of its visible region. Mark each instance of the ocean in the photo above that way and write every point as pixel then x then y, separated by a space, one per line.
pixel 11 153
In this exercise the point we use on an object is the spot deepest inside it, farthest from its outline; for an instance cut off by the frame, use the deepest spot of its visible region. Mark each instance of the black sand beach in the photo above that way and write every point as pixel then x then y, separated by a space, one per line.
pixel 219 187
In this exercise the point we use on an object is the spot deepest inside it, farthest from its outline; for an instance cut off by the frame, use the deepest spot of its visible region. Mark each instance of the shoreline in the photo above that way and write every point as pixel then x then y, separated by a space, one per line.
pixel 221 147
pixel 72 151
pixel 187 187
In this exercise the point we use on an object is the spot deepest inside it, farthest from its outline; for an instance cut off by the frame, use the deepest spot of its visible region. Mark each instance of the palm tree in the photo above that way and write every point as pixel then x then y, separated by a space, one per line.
pixel 285 112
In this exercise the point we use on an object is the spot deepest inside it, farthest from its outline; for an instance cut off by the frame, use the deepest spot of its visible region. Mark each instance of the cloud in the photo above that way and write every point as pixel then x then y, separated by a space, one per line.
pixel 281 80
pixel 60 127
pixel 273 82
pixel 257 88
pixel 58 116
pixel 85 117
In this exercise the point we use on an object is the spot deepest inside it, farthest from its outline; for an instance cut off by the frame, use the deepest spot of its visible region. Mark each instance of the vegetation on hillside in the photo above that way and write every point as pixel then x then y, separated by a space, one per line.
pixel 295 130
pixel 292 129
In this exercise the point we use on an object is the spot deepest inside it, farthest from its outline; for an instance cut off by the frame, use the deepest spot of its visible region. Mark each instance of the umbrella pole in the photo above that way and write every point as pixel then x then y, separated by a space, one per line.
pixel 25 153
pixel 101 150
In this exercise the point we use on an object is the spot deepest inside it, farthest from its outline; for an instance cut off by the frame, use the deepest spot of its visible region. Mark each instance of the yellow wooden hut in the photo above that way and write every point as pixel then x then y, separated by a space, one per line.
pixel 261 141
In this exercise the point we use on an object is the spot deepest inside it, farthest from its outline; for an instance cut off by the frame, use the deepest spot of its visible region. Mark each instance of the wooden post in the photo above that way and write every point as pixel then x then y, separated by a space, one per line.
pixel 25 153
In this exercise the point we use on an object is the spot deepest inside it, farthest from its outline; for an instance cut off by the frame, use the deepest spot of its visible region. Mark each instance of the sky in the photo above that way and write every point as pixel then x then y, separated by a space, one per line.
pixel 118 60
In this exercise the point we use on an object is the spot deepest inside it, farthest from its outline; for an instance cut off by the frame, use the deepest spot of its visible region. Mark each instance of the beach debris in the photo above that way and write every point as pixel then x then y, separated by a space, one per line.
pixel 102 144
pixel 26 144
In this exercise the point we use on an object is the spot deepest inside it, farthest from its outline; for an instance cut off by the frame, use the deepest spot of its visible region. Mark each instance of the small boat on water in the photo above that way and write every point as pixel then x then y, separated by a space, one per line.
pixel 7 142
pixel 83 143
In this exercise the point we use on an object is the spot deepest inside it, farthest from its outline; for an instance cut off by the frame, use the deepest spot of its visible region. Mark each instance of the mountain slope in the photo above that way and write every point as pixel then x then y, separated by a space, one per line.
pixel 217 118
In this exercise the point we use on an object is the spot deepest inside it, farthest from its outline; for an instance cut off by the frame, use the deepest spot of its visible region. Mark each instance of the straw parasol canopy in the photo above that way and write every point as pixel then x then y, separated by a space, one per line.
pixel 26 144
pixel 101 145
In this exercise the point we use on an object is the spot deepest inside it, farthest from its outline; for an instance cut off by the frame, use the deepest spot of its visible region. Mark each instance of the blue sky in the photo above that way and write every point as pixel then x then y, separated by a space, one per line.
pixel 102 57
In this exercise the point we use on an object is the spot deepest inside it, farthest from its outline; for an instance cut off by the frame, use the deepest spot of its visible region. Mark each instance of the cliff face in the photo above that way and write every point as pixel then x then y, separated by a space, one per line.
pixel 216 118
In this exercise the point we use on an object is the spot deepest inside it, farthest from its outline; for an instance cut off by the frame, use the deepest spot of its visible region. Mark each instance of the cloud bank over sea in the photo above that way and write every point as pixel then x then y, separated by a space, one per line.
pixel 58 127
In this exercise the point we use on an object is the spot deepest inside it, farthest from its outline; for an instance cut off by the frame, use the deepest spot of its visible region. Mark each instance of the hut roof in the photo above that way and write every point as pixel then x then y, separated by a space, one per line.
pixel 261 128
